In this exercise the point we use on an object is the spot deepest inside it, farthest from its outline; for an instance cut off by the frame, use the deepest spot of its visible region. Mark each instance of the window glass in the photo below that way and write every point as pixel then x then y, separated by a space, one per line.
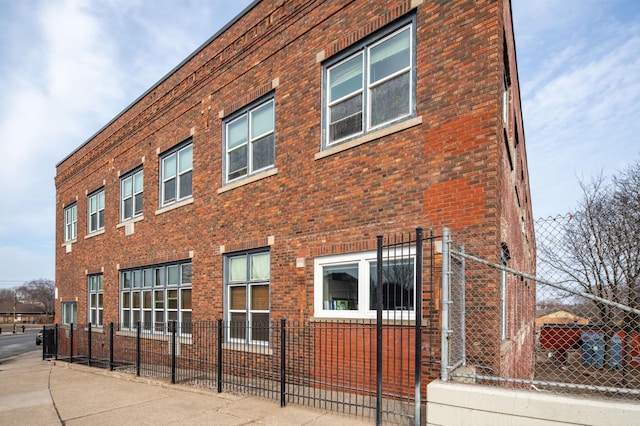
pixel 397 284
pixel 361 97
pixel 260 266
pixel 340 287
pixel 260 297
pixel 250 140
pixel 238 268
pixel 173 275
pixel 238 297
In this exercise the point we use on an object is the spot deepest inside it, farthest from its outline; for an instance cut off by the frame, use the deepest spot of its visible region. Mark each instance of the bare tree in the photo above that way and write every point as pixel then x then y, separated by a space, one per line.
pixel 600 249
pixel 7 294
pixel 39 291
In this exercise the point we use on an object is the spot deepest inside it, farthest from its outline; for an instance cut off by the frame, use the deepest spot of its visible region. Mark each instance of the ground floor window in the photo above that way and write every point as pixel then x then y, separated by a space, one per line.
pixel 95 299
pixel 156 295
pixel 69 313
pixel 247 279
pixel 346 285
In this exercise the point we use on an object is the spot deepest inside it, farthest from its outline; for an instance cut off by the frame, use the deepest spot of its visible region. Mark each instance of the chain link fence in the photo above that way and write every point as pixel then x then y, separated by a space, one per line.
pixel 562 320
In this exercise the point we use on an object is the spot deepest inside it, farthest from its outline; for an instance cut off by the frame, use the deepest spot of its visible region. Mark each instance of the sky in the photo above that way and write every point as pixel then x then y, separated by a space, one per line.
pixel 67 67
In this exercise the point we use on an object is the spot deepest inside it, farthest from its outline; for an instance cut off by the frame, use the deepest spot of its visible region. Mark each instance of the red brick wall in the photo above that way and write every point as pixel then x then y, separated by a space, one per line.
pixel 447 171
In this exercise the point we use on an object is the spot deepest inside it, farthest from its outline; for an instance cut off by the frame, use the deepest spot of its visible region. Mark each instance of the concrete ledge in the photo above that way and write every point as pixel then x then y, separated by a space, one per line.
pixel 454 403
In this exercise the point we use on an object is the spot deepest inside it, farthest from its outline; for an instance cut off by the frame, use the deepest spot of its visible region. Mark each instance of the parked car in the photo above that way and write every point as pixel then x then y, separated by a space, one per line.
pixel 39 337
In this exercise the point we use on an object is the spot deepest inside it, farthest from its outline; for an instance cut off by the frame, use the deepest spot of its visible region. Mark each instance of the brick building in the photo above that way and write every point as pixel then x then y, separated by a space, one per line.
pixel 249 184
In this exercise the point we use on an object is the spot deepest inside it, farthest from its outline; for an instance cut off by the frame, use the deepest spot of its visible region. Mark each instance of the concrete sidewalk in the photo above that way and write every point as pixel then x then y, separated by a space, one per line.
pixel 37 392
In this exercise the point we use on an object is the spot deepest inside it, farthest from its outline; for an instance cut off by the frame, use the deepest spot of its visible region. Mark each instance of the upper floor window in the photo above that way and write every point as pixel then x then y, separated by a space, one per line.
pixel 131 187
pixel 250 140
pixel 96 211
pixel 71 223
pixel 95 299
pixel 176 175
pixel 371 87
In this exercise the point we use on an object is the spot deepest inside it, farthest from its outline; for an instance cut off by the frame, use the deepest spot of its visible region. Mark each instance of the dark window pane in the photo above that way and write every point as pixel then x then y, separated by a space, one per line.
pixel 397 285
pixel 260 327
pixel 390 100
pixel 346 118
pixel 264 152
pixel 138 204
pixel 101 219
pixel 185 185
pixel 237 327
pixel 127 208
pixel 238 162
pixel 170 190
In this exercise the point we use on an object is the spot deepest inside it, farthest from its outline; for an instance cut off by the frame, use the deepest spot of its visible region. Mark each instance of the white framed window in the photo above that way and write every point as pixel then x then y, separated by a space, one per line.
pixel 506 84
pixel 250 140
pixel 131 195
pixel 156 295
pixel 71 223
pixel 95 299
pixel 176 173
pixel 95 207
pixel 370 87
pixel 345 285
pixel 69 313
pixel 504 293
pixel 247 278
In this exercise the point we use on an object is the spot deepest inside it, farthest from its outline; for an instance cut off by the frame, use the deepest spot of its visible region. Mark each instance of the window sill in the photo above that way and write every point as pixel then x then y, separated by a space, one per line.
pixel 94 234
pixel 394 128
pixel 245 347
pixel 174 206
pixel 390 320
pixel 66 243
pixel 146 334
pixel 96 329
pixel 248 180
pixel 128 221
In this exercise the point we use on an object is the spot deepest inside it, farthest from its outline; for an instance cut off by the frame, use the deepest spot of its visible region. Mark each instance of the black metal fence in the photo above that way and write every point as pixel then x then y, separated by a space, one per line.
pixel 373 368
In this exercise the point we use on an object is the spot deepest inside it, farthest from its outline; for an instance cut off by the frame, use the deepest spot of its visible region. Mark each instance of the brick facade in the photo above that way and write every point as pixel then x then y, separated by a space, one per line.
pixel 447 164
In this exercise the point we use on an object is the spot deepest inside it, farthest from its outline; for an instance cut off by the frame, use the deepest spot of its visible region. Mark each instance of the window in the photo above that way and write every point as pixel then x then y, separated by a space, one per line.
pixel 504 258
pixel 156 295
pixel 371 87
pixel 250 140
pixel 71 223
pixel 247 277
pixel 96 211
pixel 346 285
pixel 176 175
pixel 69 313
pixel 95 299
pixel 131 187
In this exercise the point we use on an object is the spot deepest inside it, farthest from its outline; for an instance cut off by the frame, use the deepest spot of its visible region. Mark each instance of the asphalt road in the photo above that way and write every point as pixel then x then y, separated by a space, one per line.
pixel 16 344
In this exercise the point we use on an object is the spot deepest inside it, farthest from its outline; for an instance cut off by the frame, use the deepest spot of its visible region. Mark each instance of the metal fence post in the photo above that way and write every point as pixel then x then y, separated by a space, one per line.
pixel 220 334
pixel 283 363
pixel 418 326
pixel 71 343
pixel 110 346
pixel 444 362
pixel 379 333
pixel 89 342
pixel 138 341
pixel 56 342
pixel 173 351
pixel 42 341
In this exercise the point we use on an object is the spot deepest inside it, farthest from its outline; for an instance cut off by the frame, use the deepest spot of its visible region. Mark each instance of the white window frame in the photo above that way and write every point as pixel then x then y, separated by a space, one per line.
pixel 95 301
pixel 247 113
pixel 363 49
pixel 71 223
pixel 69 313
pixel 504 295
pixel 363 260
pixel 248 283
pixel 135 283
pixel 175 173
pixel 95 206
pixel 136 195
